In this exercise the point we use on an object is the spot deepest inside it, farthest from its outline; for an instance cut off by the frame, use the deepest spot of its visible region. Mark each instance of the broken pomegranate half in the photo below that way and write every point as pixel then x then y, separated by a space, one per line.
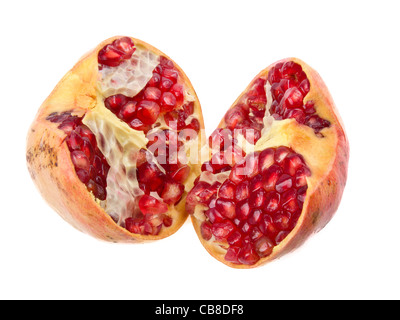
pixel 110 147
pixel 277 168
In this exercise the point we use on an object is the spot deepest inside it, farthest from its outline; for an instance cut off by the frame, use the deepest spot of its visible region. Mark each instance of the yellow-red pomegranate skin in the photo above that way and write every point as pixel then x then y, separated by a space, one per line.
pixel 49 161
pixel 327 158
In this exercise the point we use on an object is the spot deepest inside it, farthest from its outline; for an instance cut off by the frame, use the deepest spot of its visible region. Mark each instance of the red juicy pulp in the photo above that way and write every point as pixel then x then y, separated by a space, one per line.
pixel 90 164
pixel 256 207
pixel 113 54
pixel 289 87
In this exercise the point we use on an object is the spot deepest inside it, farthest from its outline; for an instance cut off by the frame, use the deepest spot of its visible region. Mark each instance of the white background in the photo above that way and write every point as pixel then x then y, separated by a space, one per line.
pixel 221 45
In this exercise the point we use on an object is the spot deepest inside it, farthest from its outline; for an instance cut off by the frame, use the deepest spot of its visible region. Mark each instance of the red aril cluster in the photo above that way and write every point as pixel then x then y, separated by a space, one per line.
pixel 163 95
pixel 257 206
pixel 113 54
pixel 247 115
pixel 90 164
pixel 289 86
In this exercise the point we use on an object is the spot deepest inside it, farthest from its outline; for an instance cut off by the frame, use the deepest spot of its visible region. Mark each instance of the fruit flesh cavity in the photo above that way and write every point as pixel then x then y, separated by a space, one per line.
pixel 110 142
pixel 254 190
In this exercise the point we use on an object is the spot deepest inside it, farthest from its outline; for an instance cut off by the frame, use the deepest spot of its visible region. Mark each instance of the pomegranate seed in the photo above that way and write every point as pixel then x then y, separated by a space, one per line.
pixel 172 192
pixel 134 225
pixel 83 175
pixel 258 198
pixel 88 150
pixel 150 205
pixel 114 54
pixel 216 164
pixel 264 247
pixel 214 216
pixel 177 91
pixel 292 98
pixel 152 94
pixel 271 176
pixel 97 190
pixel 237 173
pixel 166 63
pixel 277 92
pixel 248 255
pixel 309 107
pixel 275 74
pixel 115 103
pixel 233 117
pixel 235 239
pixel 245 228
pixel 292 163
pixel 282 220
pixel 284 183
pixel 80 160
pixel 317 123
pixel 286 84
pixel 220 139
pixel 181 174
pixel 255 217
pixel 171 74
pixel 206 195
pixel 194 125
pixel 126 46
pixel 243 210
pixel 242 191
pixel 68 126
pixel 232 254
pixel 256 183
pixel 148 111
pixel 74 141
pixel 206 230
pixel 304 87
pixel 296 114
pixel 301 194
pixel 266 159
pixel 110 56
pixel 267 227
pixel 255 234
pixel 281 236
pixel 155 80
pixel 289 201
pixel 165 84
pixel 227 190
pixel 154 219
pixel 281 153
pixel 222 230
pixel 137 124
pixel 226 208
pixel 167 221
pixel 291 70
pixel 86 134
pixel 167 101
pixel 150 177
pixel 192 198
pixel 174 120
pixel 188 108
pixel 272 202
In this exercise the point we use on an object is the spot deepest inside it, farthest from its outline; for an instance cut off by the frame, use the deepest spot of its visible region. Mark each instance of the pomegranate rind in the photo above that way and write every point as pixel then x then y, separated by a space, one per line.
pixel 49 161
pixel 327 158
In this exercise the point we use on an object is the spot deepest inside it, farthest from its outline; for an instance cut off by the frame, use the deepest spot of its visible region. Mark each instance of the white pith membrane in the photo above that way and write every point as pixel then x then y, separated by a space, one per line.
pixel 118 142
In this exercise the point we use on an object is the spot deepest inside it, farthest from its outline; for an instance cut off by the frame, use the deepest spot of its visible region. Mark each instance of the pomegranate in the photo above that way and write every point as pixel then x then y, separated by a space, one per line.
pixel 109 148
pixel 277 168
